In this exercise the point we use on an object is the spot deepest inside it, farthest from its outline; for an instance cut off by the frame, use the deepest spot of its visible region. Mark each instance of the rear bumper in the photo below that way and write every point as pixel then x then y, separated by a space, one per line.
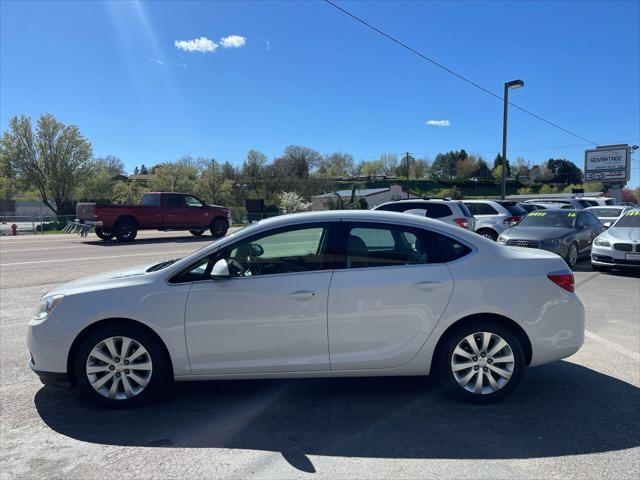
pixel 93 223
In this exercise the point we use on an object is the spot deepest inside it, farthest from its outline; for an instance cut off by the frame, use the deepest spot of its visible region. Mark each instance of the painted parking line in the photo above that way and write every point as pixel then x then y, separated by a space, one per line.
pixel 619 348
pixel 96 258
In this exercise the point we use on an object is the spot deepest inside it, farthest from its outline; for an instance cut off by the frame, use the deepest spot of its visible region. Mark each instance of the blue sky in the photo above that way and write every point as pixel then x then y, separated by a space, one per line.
pixel 307 74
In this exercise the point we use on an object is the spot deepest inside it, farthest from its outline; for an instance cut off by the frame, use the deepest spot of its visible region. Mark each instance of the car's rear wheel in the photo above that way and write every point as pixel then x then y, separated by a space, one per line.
pixel 572 255
pixel 481 363
pixel 104 234
pixel 196 233
pixel 121 366
pixel 487 233
pixel 219 227
pixel 126 230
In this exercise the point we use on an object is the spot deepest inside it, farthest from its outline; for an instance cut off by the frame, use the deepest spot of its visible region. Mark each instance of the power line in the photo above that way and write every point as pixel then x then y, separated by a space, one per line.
pixel 455 74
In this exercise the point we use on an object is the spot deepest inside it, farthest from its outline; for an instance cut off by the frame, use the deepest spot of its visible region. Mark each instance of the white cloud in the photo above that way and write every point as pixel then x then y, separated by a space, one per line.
pixel 202 45
pixel 267 44
pixel 439 123
pixel 233 41
pixel 156 61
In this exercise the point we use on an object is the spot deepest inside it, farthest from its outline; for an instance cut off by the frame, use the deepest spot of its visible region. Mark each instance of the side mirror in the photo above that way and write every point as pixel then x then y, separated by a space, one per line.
pixel 256 250
pixel 607 224
pixel 220 270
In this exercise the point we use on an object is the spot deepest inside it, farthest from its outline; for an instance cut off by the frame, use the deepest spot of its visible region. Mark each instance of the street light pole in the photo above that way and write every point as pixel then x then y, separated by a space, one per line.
pixel 503 173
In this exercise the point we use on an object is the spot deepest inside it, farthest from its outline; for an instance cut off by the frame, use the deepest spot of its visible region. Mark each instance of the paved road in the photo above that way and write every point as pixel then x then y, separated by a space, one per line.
pixel 576 418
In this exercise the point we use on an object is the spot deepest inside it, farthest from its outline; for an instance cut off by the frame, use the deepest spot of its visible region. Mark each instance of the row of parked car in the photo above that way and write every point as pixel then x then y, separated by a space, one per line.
pixel 571 228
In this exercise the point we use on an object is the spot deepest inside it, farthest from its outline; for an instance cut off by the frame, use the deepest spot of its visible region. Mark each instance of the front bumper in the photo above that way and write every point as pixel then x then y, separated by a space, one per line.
pixel 559 249
pixel 610 257
pixel 53 379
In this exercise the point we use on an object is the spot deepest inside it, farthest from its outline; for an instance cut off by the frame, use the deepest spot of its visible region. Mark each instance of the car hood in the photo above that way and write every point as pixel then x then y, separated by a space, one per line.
pixel 622 234
pixel 102 281
pixel 536 233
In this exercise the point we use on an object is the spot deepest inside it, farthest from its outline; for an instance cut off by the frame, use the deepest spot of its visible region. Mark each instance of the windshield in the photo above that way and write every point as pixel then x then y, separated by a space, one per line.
pixel 630 219
pixel 606 212
pixel 549 218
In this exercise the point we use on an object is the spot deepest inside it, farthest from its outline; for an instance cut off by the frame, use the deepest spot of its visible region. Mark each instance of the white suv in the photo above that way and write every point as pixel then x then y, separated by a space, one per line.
pixel 449 211
pixel 494 216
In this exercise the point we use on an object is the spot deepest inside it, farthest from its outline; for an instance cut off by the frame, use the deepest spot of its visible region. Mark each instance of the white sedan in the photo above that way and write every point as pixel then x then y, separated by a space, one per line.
pixel 619 246
pixel 324 294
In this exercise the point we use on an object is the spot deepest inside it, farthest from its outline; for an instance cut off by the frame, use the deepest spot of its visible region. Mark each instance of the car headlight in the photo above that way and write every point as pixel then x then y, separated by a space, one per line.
pixel 46 306
pixel 601 243
pixel 553 241
pixel 502 240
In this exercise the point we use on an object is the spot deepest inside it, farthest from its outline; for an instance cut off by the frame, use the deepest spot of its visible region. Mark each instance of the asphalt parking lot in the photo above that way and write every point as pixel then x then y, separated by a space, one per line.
pixel 578 418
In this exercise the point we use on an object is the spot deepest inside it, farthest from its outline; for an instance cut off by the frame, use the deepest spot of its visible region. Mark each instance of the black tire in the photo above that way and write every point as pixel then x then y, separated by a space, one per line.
pixel 159 376
pixel 196 233
pixel 126 230
pixel 219 227
pixel 488 233
pixel 572 259
pixel 104 234
pixel 445 356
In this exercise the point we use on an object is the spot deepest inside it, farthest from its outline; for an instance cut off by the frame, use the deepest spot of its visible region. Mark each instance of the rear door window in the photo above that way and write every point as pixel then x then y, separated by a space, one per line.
pixel 514 208
pixel 485 209
pixel 175 201
pixel 150 200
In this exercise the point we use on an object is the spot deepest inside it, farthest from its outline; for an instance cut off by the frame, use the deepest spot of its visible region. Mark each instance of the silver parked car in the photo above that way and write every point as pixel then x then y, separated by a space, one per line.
pixel 609 214
pixel 494 216
pixel 568 233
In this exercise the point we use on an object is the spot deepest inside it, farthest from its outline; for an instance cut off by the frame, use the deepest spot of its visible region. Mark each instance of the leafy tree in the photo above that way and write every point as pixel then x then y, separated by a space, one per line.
pixel 111 164
pixel 420 168
pixel 444 165
pixel 178 176
pixel 143 170
pixel 136 171
pixel 390 164
pixel 483 170
pixel 401 169
pixel 523 168
pixel 467 168
pixel 8 182
pixel 497 162
pixel 564 171
pixel 98 185
pixel 229 172
pixel 129 192
pixel 211 185
pixel 337 164
pixel 298 161
pixel 372 168
pixel 291 202
pixel 254 164
pixel 629 195
pixel 54 159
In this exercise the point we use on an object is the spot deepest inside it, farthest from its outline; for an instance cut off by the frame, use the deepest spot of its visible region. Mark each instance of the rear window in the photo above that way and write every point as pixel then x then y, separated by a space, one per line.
pixel 514 208
pixel 150 200
pixel 606 212
pixel 465 210
pixel 437 210
pixel 485 209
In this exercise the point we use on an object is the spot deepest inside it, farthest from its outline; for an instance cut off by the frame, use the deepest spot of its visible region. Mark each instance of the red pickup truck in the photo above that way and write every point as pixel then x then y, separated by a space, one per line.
pixel 156 211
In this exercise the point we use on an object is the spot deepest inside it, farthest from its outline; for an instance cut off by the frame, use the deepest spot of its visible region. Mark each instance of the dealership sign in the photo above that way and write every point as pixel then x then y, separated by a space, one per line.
pixel 608 164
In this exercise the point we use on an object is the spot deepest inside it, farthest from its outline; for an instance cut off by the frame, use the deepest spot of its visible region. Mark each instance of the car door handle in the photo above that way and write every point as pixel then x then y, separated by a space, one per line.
pixel 427 285
pixel 302 295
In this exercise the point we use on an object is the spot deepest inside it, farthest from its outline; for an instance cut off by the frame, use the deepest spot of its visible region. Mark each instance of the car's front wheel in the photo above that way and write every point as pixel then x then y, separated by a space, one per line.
pixel 481 363
pixel 121 366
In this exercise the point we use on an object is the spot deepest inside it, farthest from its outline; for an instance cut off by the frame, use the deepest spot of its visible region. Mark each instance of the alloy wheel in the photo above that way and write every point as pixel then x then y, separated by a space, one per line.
pixel 482 363
pixel 119 368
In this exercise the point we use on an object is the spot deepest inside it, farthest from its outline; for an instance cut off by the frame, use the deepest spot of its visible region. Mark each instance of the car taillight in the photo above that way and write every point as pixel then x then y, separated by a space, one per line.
pixel 512 220
pixel 563 280
pixel 462 222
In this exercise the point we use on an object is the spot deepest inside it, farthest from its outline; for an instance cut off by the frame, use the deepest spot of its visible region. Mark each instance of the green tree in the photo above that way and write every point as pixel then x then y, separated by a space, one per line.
pixel 372 168
pixel 420 168
pixel 467 168
pixel 337 164
pixel 298 161
pixel 178 176
pixel 564 171
pixel 444 165
pixel 143 170
pixel 54 159
pixel 111 164
pixel 497 162
pixel 129 192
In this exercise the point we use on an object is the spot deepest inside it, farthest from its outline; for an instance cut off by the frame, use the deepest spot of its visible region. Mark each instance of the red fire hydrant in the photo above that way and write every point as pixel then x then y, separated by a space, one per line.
pixel 14 229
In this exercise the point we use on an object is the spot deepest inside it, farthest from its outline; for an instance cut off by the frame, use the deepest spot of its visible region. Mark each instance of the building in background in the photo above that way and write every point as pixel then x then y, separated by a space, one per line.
pixel 373 196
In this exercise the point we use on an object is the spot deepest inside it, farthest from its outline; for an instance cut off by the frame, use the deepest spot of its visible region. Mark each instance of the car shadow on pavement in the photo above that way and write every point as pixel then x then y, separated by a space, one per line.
pixel 151 241
pixel 559 409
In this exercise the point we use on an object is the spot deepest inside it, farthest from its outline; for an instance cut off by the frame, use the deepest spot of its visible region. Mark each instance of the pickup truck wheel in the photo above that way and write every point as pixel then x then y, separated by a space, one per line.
pixel 104 234
pixel 126 231
pixel 219 227
pixel 197 233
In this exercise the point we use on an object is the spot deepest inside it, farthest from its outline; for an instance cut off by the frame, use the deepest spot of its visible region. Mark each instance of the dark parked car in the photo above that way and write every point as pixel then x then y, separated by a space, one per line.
pixel 569 233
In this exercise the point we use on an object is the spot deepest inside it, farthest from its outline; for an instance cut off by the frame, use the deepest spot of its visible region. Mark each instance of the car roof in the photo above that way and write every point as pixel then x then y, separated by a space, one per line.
pixel 418 200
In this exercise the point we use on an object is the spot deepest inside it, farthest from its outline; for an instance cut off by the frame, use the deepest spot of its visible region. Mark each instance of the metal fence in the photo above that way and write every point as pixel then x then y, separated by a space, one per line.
pixel 32 223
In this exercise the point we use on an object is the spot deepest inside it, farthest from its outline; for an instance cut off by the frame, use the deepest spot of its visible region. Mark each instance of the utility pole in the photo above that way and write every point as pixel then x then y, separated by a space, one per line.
pixel 407 162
